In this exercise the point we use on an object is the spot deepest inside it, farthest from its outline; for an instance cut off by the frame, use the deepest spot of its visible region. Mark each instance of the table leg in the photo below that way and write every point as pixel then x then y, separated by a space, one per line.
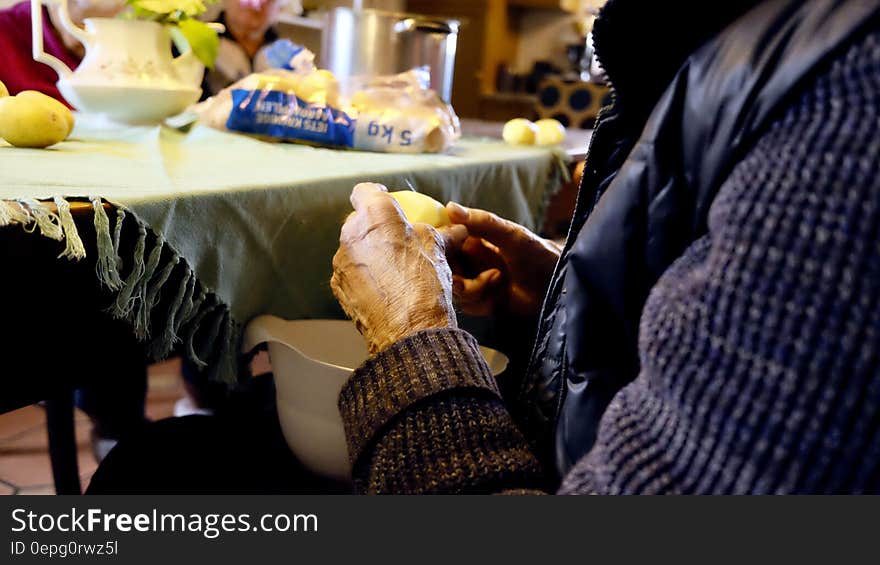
pixel 62 443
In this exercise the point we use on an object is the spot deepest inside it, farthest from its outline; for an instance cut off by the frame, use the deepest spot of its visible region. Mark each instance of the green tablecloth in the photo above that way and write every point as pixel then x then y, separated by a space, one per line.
pixel 255 223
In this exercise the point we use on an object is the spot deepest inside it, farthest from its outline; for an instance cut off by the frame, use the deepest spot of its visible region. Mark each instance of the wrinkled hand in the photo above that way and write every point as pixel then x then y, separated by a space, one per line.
pixel 501 267
pixel 390 277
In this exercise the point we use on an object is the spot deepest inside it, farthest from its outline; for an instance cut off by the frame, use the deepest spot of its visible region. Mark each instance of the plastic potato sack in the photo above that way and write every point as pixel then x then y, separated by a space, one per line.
pixel 301 104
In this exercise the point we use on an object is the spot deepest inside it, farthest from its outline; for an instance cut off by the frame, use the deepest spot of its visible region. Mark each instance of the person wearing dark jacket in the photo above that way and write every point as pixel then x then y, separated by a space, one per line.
pixel 712 324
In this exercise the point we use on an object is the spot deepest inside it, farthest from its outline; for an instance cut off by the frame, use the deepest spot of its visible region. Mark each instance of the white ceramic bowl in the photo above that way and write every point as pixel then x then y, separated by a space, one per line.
pixel 128 104
pixel 311 361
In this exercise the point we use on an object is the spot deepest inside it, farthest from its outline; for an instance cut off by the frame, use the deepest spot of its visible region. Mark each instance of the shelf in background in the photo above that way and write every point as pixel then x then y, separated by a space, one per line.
pixel 522 97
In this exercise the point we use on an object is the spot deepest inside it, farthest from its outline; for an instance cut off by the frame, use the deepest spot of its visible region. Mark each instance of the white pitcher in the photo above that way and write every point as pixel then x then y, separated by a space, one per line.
pixel 128 73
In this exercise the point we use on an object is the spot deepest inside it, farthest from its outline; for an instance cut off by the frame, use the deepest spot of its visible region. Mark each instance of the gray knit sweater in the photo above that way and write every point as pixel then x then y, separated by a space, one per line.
pixel 759 347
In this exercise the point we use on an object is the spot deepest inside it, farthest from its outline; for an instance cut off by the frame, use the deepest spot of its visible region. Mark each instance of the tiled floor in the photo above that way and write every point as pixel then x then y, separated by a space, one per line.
pixel 24 456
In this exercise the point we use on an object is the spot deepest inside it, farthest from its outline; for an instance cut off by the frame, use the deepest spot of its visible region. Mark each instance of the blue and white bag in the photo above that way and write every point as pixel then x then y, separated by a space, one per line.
pixel 301 104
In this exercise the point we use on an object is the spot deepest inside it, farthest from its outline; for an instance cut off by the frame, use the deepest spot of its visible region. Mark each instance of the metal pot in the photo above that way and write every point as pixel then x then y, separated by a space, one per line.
pixel 371 42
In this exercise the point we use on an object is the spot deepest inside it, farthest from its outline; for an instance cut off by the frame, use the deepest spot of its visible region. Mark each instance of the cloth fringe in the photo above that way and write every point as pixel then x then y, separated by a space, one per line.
pixel 108 263
pixel 141 312
pixel 162 345
pixel 215 325
pixel 196 318
pixel 5 214
pixel 186 305
pixel 224 364
pixel 117 231
pixel 152 293
pixel 126 298
pixel 194 308
pixel 45 219
pixel 13 213
pixel 195 324
pixel 74 248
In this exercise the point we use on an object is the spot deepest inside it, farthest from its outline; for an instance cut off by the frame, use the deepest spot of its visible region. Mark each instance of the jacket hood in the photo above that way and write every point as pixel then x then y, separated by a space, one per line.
pixel 641 44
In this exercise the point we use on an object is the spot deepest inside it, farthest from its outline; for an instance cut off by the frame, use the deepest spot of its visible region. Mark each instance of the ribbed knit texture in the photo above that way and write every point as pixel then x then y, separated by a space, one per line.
pixel 428 362
pixel 431 405
pixel 760 346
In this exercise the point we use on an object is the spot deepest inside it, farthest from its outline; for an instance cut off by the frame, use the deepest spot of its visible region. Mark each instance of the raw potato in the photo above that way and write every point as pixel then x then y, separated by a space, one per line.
pixel 53 105
pixel 289 84
pixel 421 208
pixel 3 90
pixel 519 131
pixel 361 100
pixel 29 122
pixel 320 87
pixel 550 132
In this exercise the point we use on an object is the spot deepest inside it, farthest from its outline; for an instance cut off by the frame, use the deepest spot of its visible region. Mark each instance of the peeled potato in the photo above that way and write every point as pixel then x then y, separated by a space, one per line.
pixel 519 131
pixel 3 90
pixel 420 208
pixel 29 122
pixel 51 104
pixel 550 132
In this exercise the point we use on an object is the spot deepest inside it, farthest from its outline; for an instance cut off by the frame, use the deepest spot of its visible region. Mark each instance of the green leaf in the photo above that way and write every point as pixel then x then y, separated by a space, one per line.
pixel 203 40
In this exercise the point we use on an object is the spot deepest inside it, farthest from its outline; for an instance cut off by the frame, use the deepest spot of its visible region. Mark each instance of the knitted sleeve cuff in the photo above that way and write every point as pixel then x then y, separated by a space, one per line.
pixel 414 368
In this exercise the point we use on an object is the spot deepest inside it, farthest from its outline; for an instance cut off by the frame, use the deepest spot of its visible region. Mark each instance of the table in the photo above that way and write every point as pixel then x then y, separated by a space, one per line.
pixel 208 229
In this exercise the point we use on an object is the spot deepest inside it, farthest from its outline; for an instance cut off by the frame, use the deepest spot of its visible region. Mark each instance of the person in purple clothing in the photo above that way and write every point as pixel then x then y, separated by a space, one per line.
pixel 19 71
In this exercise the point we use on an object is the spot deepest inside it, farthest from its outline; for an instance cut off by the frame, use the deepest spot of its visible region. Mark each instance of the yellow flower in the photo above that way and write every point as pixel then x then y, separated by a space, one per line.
pixel 188 7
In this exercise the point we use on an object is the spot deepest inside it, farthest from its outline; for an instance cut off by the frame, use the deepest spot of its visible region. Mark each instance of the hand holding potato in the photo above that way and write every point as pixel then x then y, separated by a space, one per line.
pixel 501 266
pixel 390 276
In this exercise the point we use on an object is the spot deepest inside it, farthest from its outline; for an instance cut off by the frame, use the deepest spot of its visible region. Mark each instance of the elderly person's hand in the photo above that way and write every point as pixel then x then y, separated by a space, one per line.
pixel 391 277
pixel 501 268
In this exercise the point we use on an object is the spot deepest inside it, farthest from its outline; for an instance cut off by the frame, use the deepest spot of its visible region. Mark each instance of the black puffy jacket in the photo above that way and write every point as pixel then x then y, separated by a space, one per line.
pixel 696 83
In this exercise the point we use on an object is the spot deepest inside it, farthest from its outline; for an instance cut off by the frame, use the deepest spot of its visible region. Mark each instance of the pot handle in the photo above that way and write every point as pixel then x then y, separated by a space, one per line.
pixel 418 24
pixel 38 52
